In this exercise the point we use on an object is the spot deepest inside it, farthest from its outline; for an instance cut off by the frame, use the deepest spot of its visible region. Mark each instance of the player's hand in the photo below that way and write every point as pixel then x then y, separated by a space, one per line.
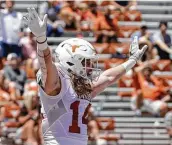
pixel 135 52
pixel 36 25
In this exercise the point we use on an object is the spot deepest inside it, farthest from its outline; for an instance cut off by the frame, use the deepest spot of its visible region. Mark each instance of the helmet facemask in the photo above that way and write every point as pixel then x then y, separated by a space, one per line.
pixel 90 67
pixel 86 68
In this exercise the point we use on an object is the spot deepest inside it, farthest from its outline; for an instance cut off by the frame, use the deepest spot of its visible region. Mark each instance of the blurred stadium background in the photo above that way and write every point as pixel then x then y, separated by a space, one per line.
pixel 134 111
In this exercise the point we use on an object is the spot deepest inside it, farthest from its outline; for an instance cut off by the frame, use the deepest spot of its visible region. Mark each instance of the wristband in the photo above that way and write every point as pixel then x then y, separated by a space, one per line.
pixel 42 42
pixel 129 64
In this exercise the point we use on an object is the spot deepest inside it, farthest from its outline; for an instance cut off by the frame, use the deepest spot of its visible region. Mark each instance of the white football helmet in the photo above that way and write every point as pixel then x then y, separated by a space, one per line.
pixel 79 57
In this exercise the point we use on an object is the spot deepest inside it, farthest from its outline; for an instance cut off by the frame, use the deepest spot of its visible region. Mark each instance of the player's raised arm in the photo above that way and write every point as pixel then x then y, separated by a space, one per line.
pixel 111 75
pixel 50 78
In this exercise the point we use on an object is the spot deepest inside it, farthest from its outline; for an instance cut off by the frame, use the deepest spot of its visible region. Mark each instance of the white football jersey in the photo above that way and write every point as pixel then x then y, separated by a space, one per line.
pixel 65 115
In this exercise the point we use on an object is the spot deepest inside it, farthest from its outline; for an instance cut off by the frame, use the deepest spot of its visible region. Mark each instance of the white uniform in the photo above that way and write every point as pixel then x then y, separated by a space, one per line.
pixel 64 115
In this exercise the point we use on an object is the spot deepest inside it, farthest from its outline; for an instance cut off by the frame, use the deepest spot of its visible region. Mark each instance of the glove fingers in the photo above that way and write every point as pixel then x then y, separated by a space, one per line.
pixel 26 17
pixel 34 13
pixel 144 48
pixel 29 11
pixel 133 48
pixel 45 19
pixel 31 16
pixel 135 41
pixel 25 21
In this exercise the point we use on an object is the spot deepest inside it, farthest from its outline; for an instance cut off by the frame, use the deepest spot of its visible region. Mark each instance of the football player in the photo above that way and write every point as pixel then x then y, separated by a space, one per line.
pixel 68 84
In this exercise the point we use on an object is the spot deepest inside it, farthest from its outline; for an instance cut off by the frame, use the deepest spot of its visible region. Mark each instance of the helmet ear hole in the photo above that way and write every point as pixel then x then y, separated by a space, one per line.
pixel 69 63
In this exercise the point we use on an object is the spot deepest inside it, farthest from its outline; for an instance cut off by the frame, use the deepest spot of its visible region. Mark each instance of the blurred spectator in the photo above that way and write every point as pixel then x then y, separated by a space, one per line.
pixel 25 117
pixel 31 86
pixel 162 41
pixel 126 5
pixel 143 34
pixel 89 16
pixel 9 110
pixel 52 7
pixel 70 17
pixel 96 125
pixel 106 26
pixel 8 89
pixel 93 130
pixel 11 29
pixel 105 3
pixel 4 95
pixel 145 38
pixel 13 72
pixel 28 45
pixel 36 65
pixel 151 55
pixel 152 95
pixel 29 120
pixel 1 5
pixel 168 122
pixel 55 27
pixel 8 115
pixel 86 17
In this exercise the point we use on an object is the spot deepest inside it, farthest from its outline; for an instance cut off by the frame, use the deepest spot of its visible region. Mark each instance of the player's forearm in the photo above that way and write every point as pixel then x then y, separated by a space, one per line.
pixel 120 70
pixel 43 53
pixel 44 57
pixel 115 73
pixel 49 72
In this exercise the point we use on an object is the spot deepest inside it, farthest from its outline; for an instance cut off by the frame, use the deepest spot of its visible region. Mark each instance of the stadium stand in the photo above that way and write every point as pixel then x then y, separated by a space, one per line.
pixel 117 123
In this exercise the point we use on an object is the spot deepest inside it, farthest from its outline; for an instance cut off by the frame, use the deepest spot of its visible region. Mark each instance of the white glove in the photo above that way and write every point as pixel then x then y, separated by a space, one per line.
pixel 135 52
pixel 36 25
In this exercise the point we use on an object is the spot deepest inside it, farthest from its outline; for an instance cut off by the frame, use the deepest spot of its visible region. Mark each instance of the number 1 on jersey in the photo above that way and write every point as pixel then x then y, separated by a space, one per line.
pixel 74 128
